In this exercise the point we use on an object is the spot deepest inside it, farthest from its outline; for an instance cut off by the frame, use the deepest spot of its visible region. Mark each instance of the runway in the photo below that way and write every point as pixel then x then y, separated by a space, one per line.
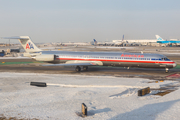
pixel 30 66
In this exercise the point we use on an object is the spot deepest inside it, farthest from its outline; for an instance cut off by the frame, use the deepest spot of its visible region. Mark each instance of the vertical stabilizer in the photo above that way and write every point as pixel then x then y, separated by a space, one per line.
pixel 95 42
pixel 26 43
pixel 159 38
pixel 123 38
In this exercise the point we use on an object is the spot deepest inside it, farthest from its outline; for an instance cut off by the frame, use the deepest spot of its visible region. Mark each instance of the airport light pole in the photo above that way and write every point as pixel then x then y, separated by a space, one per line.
pixel 9 46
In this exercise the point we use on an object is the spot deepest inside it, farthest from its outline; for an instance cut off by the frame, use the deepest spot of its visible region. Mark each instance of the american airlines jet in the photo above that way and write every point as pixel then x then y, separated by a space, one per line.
pixel 85 59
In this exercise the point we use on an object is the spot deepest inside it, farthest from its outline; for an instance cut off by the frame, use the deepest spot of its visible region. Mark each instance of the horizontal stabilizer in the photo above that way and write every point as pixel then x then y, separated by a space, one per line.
pixel 17 37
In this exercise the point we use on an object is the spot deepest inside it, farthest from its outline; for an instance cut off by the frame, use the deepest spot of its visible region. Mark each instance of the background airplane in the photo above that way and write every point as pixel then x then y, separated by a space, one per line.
pixel 162 41
pixel 96 43
pixel 120 43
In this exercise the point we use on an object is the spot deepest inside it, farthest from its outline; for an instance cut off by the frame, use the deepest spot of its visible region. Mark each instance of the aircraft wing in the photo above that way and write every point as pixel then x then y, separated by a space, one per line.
pixel 74 63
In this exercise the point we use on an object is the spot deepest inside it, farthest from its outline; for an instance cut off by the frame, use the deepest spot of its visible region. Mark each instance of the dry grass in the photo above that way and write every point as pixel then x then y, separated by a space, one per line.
pixel 2 117
pixel 164 92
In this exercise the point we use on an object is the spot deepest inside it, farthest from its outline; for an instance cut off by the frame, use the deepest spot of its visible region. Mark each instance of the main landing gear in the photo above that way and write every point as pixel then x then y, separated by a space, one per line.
pixel 78 69
pixel 85 68
pixel 167 70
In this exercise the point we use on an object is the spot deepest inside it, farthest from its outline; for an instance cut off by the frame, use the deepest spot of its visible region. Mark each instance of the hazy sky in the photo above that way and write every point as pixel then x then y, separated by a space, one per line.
pixel 84 20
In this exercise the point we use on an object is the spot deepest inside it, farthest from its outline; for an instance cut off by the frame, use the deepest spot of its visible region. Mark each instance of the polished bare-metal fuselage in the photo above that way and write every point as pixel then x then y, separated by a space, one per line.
pixel 118 59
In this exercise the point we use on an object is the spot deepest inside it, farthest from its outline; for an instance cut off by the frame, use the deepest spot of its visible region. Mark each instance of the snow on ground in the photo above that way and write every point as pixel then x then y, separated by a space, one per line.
pixel 106 97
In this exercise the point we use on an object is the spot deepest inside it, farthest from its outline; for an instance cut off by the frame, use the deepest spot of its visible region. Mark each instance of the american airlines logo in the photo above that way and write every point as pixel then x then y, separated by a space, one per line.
pixel 29 46
pixel 137 56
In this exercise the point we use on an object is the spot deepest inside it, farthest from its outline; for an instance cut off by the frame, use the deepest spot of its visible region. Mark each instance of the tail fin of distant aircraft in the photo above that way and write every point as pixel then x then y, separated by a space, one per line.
pixel 123 38
pixel 26 42
pixel 95 42
pixel 159 38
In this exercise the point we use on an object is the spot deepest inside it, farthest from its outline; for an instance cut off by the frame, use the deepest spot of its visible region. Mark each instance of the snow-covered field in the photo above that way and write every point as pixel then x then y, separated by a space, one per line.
pixel 106 97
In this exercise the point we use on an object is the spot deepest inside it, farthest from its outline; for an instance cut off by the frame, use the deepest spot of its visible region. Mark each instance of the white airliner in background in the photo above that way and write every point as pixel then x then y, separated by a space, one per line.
pixel 85 59
pixel 160 40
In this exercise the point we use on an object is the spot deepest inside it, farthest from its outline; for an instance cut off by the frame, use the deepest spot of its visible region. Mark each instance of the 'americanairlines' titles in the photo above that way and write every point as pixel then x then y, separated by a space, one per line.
pixel 137 56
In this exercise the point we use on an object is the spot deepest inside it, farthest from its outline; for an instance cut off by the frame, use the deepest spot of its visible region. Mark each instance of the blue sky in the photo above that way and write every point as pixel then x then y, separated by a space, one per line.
pixel 84 20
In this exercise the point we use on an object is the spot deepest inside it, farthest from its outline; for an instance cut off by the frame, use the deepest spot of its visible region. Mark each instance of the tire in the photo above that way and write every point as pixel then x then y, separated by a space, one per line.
pixel 78 69
pixel 85 68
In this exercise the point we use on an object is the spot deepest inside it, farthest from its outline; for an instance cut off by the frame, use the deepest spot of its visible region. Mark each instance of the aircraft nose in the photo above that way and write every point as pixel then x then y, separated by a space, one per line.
pixel 174 64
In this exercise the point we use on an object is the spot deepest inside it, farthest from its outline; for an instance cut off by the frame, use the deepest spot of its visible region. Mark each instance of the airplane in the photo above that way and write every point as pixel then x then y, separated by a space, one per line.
pixel 85 59
pixel 95 43
pixel 125 43
pixel 162 41
pixel 119 43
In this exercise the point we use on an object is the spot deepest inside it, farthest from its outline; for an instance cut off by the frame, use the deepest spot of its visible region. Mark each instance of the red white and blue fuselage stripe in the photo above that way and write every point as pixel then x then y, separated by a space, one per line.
pixel 116 58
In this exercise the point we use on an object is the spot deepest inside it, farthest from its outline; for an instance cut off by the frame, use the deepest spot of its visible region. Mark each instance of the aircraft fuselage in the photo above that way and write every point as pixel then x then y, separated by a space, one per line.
pixel 115 58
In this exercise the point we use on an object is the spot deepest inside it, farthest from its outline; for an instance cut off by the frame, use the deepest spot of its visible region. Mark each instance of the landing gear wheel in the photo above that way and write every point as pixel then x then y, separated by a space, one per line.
pixel 167 70
pixel 85 68
pixel 78 69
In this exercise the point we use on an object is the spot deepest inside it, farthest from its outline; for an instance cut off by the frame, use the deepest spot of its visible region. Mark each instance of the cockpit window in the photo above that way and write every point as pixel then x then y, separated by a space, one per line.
pixel 164 58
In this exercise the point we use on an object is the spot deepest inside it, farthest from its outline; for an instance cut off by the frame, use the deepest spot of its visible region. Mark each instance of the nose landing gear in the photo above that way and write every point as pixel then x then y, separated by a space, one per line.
pixel 167 70
pixel 78 69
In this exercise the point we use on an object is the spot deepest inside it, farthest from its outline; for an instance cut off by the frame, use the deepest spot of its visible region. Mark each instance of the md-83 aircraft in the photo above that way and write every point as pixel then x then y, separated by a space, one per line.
pixel 85 59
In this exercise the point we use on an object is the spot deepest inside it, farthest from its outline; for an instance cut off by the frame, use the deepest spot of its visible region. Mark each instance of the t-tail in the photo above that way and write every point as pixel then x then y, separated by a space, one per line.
pixel 159 38
pixel 26 42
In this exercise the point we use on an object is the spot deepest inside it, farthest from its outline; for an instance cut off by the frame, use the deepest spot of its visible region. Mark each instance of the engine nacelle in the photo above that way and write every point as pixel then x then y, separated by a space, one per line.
pixel 45 58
